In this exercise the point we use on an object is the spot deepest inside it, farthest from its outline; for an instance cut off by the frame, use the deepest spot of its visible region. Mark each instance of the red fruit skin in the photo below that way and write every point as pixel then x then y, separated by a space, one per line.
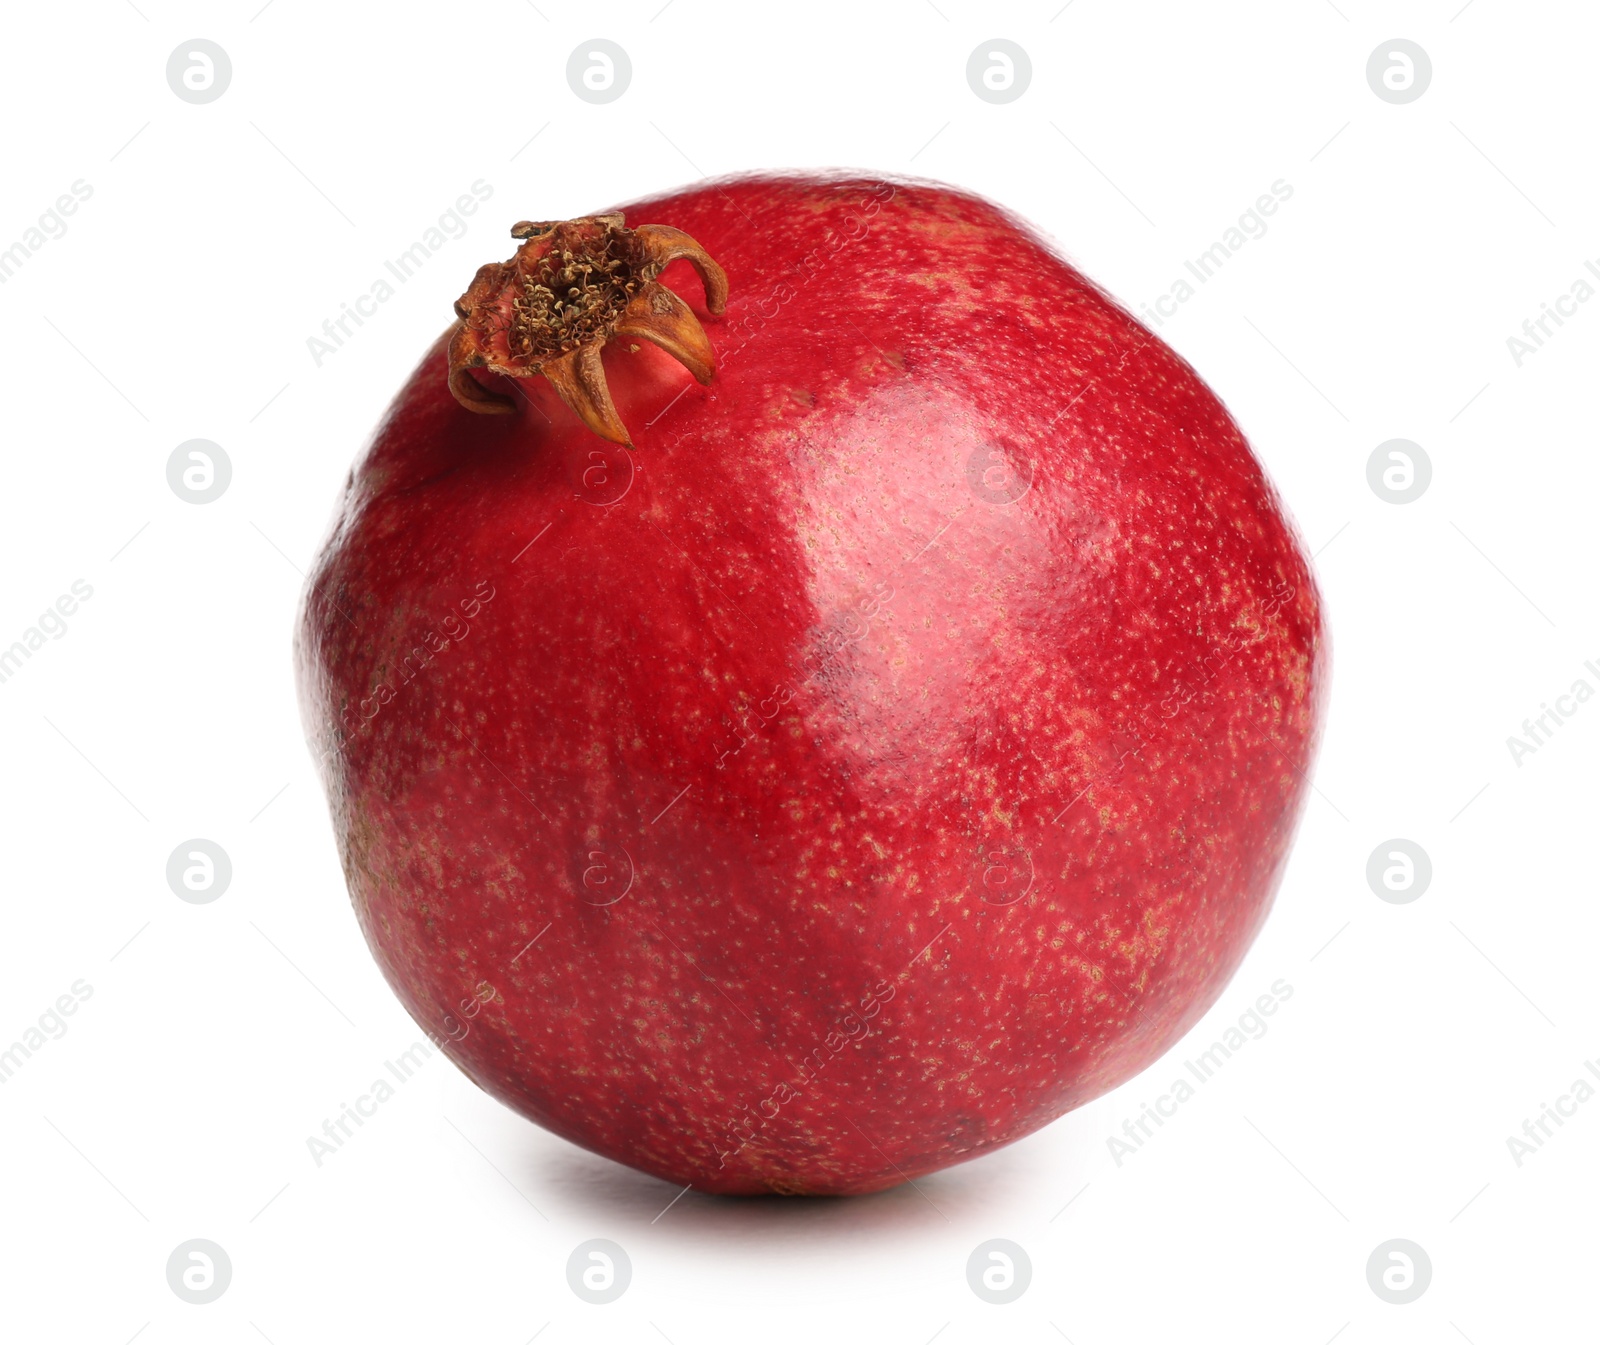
pixel 927 807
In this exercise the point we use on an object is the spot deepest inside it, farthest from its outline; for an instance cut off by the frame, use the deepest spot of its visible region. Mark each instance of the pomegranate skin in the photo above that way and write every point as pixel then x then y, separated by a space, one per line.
pixel 901 748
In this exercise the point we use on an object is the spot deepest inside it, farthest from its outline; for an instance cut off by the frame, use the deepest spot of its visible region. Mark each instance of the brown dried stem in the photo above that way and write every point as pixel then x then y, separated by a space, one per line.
pixel 570 288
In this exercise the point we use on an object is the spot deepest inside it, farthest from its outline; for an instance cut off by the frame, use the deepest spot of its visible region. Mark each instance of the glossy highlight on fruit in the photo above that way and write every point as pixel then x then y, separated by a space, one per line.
pixel 899 746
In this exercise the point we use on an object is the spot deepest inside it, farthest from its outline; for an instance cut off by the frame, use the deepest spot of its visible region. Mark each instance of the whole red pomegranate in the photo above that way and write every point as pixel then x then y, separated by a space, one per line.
pixel 896 747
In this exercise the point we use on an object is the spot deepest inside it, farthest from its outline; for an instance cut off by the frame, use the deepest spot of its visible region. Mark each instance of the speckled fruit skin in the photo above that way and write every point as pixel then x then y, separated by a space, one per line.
pixel 900 749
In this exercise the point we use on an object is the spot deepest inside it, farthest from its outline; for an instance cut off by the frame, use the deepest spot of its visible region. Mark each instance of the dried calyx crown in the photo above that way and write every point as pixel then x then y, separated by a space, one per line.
pixel 571 287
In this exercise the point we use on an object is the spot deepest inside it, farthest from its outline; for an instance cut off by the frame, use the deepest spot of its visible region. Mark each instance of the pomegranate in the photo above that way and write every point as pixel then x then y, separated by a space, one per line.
pixel 809 689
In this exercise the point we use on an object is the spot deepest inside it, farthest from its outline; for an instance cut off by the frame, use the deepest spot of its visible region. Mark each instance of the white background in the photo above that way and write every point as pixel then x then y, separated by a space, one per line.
pixel 1378 305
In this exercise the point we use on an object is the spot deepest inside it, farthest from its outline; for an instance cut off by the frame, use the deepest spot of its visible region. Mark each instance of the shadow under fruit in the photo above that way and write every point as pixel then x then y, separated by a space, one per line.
pixel 896 747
